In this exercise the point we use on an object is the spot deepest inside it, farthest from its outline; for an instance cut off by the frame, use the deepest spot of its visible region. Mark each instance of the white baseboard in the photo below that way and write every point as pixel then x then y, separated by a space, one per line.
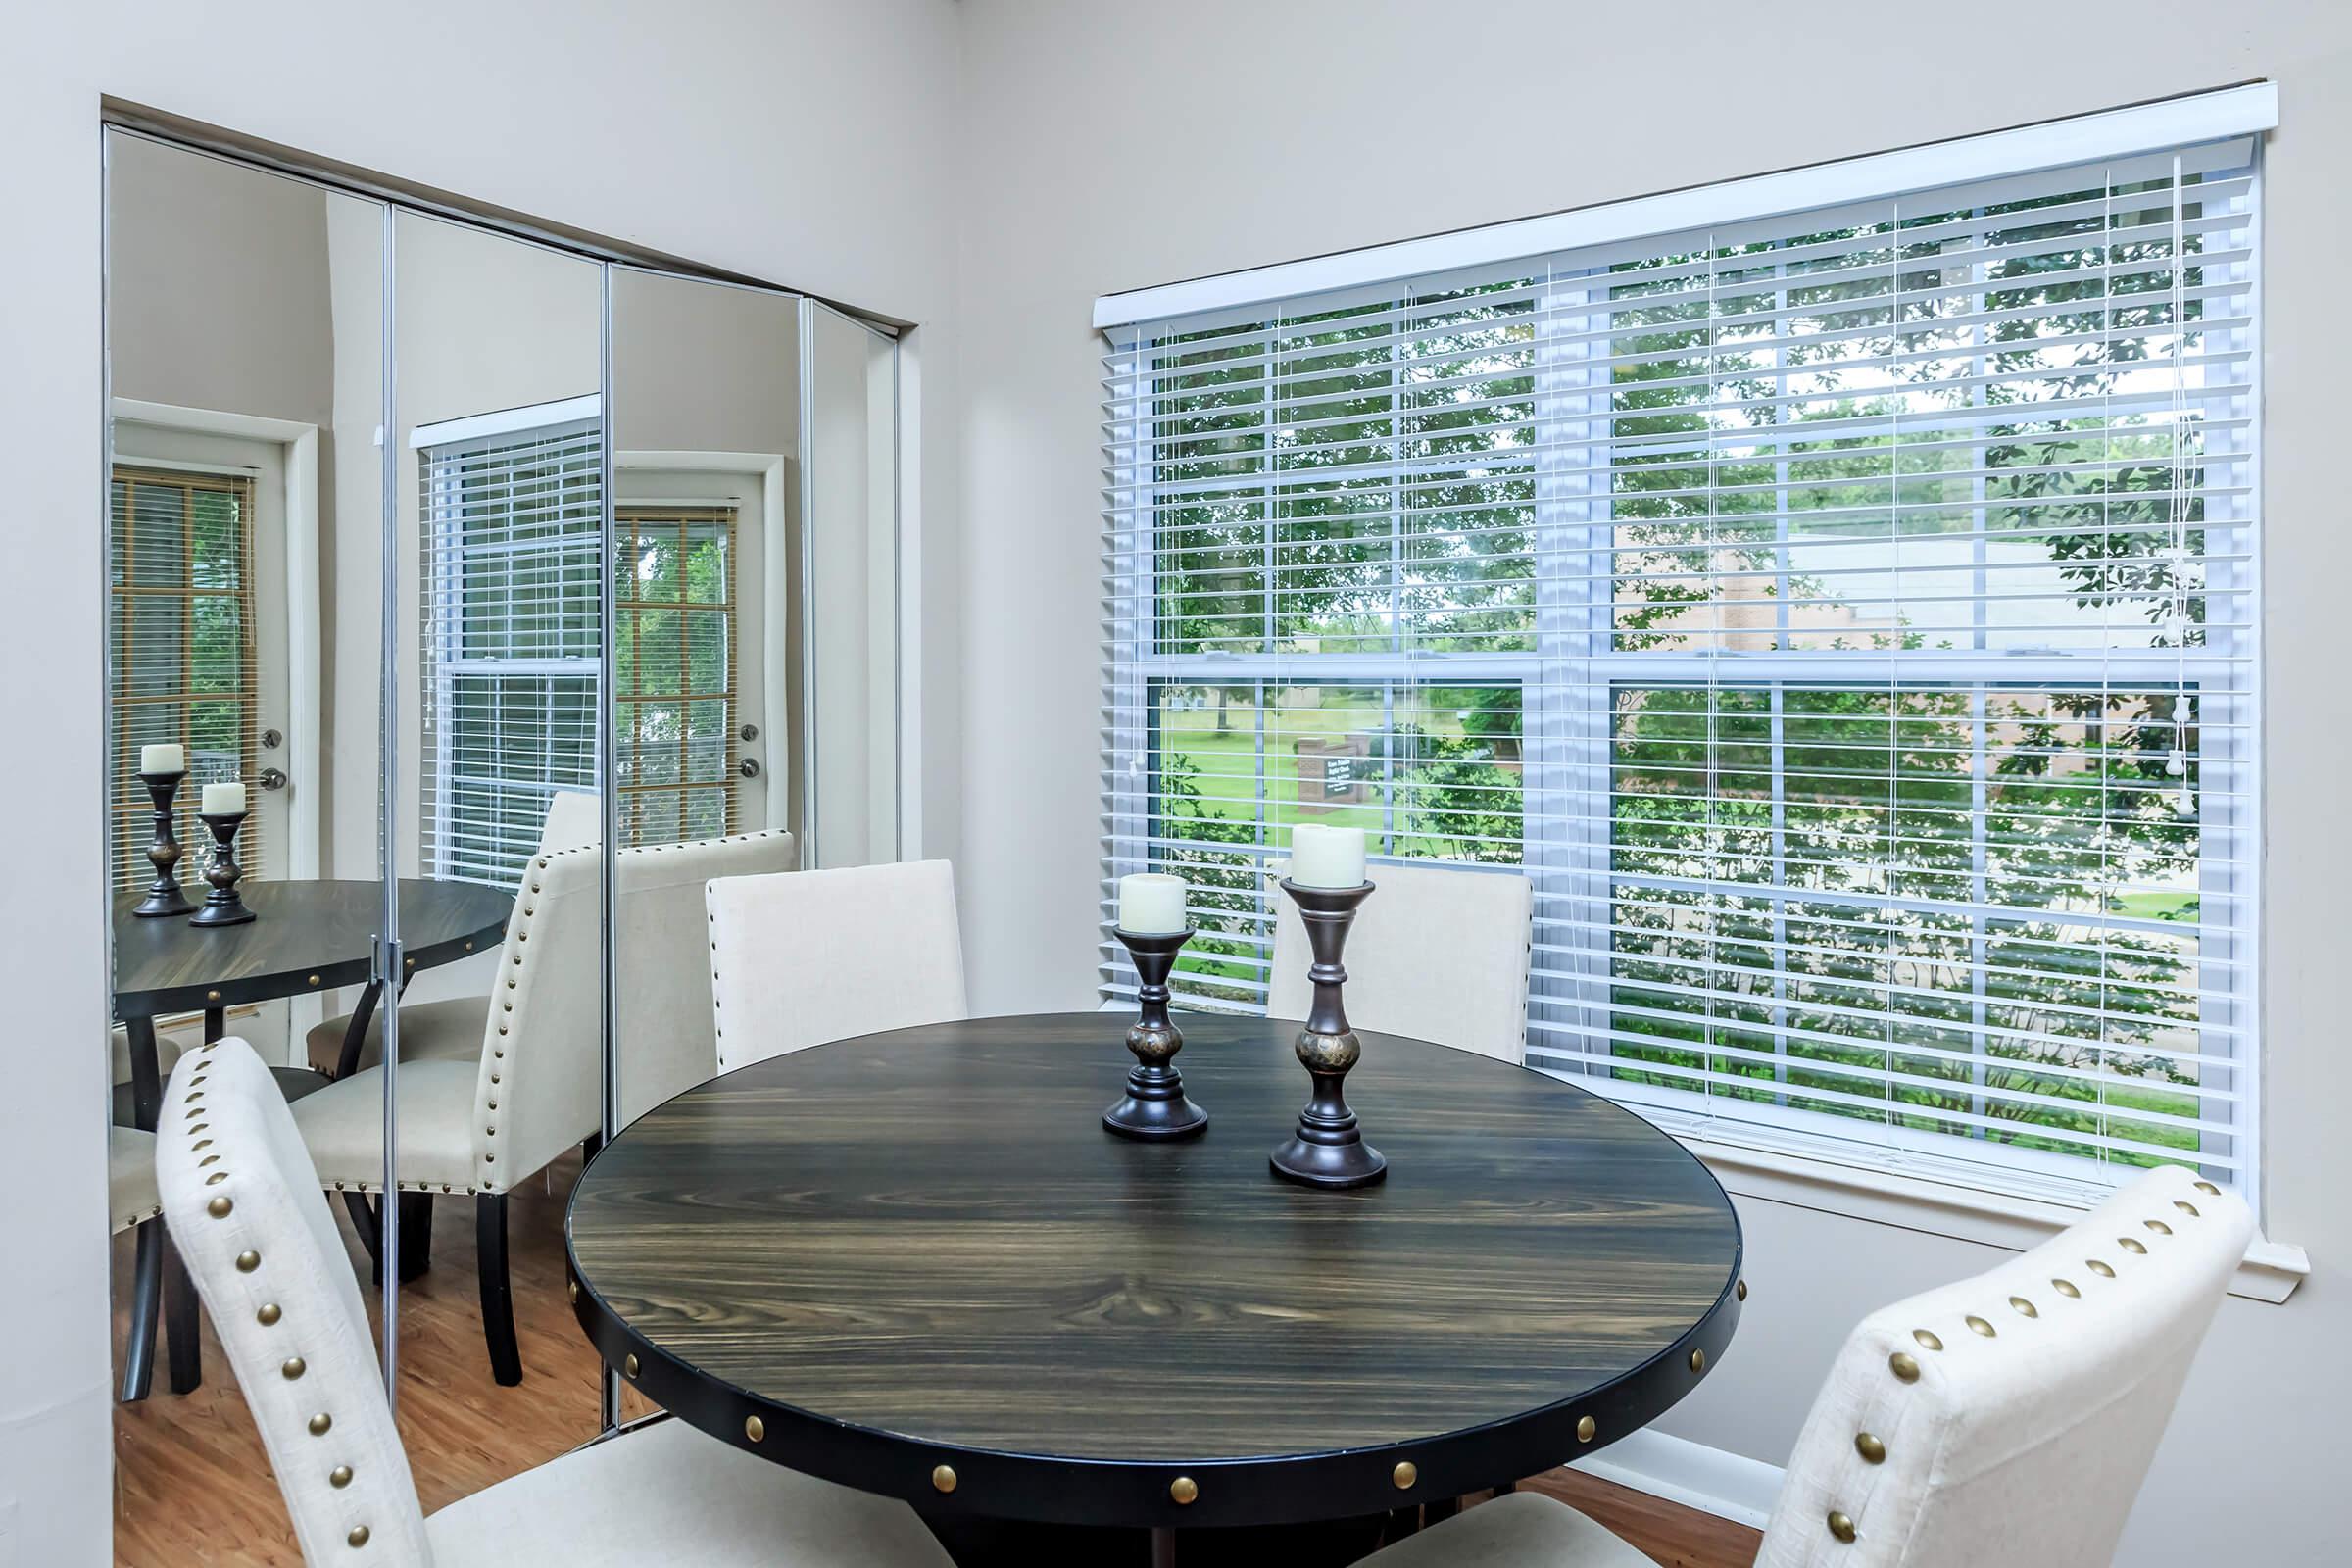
pixel 1728 1486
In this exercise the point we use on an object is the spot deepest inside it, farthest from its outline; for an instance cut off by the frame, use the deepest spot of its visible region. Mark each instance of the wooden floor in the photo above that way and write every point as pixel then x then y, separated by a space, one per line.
pixel 193 1484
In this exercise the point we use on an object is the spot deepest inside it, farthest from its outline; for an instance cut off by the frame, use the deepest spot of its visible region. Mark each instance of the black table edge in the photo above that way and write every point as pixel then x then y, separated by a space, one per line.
pixel 1270 1489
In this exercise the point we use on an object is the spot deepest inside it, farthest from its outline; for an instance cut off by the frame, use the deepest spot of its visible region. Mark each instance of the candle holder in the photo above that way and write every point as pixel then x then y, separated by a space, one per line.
pixel 1327 1149
pixel 223 906
pixel 1155 1107
pixel 165 894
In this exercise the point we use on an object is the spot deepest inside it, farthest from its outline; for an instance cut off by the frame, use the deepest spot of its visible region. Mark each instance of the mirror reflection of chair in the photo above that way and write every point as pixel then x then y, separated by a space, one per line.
pixel 2007 1418
pixel 242 1199
pixel 797 960
pixel 533 1088
pixel 1437 953
pixel 450 1028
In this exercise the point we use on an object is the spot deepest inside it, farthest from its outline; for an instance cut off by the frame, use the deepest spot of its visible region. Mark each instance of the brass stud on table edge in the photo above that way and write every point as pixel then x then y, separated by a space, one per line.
pixel 1183 1489
pixel 755 1429
pixel 1842 1526
pixel 943 1478
pixel 573 1289
pixel 1740 1291
pixel 1904 1367
pixel 630 1364
pixel 1405 1474
pixel 1587 1429
pixel 1868 1445
pixel 1699 1361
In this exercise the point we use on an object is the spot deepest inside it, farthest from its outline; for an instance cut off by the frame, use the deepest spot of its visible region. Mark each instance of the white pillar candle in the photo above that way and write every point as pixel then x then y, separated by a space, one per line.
pixel 223 800
pixel 1327 856
pixel 164 757
pixel 1151 904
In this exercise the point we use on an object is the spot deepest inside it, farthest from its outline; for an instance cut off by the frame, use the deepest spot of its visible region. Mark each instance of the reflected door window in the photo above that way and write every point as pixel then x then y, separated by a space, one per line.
pixel 180 636
pixel 674 700
pixel 512 607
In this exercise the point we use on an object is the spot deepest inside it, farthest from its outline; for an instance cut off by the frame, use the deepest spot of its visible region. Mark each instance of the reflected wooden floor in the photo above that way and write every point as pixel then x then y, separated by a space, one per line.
pixel 192 1484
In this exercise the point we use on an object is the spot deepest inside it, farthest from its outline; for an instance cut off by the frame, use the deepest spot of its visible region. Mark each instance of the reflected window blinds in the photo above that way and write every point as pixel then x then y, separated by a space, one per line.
pixel 512 609
pixel 1846 620
pixel 181 638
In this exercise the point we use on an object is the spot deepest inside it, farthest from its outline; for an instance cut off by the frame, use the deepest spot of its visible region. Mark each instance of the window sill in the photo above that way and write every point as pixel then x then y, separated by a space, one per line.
pixel 2269 1272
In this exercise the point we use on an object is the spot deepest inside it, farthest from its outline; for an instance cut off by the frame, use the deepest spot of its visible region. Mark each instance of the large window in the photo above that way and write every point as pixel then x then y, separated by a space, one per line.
pixel 1846 620
pixel 180 636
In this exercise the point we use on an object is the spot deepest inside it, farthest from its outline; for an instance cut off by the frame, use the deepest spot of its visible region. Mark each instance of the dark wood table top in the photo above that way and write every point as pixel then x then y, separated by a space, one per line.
pixel 305 935
pixel 916 1249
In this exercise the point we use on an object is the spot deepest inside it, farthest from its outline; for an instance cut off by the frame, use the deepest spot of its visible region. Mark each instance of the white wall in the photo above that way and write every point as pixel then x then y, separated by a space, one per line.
pixel 791 139
pixel 1108 147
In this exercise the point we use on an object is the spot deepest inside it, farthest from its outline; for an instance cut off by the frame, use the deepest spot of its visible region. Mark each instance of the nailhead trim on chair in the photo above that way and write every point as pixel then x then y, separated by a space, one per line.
pixel 1906 1369
pixel 271 1315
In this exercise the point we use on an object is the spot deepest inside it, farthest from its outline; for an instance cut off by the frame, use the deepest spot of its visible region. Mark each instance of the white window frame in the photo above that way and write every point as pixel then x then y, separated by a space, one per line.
pixel 1913 1182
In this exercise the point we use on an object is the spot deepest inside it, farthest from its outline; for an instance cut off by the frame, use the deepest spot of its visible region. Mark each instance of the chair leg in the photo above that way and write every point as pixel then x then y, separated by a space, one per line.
pixel 368 1221
pixel 416 1235
pixel 498 1302
pixel 182 1323
pixel 146 1289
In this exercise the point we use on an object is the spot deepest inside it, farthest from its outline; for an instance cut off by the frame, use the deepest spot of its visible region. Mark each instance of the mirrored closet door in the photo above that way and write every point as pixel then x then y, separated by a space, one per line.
pixel 472 604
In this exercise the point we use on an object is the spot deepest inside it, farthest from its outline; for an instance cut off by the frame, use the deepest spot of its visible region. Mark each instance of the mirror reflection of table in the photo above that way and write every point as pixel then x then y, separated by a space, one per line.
pixel 914 1263
pixel 307 938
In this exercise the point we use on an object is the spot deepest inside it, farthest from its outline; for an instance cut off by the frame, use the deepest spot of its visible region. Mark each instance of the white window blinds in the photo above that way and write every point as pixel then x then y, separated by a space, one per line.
pixel 1846 620
pixel 512 615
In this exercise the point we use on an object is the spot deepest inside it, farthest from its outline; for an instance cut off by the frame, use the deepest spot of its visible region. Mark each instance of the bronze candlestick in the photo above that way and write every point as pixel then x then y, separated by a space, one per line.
pixel 1327 1149
pixel 165 894
pixel 223 906
pixel 1155 1107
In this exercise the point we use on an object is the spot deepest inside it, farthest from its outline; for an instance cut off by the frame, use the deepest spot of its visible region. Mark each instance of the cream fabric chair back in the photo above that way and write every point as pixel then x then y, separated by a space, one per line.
pixel 540 1086
pixel 667 1041
pixel 2017 1411
pixel 243 1204
pixel 574 820
pixel 815 956
pixel 1435 954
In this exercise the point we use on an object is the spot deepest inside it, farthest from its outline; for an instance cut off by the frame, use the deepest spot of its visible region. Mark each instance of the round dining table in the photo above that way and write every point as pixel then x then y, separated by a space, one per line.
pixel 307 936
pixel 915 1264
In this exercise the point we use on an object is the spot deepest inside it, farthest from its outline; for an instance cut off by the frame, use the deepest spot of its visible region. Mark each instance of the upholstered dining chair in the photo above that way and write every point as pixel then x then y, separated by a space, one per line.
pixel 533 1088
pixel 1435 954
pixel 451 1028
pixel 797 960
pixel 2006 1419
pixel 243 1201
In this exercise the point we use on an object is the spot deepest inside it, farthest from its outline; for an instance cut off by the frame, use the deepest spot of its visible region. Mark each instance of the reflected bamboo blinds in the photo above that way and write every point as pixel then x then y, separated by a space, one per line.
pixel 1845 620
pixel 181 640
pixel 674 706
